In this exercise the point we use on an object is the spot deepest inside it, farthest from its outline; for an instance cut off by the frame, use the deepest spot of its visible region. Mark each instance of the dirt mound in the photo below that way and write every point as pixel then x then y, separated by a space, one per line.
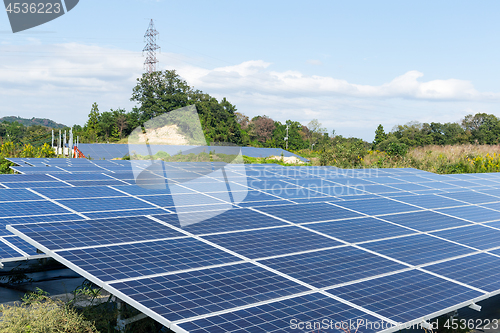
pixel 290 159
pixel 167 135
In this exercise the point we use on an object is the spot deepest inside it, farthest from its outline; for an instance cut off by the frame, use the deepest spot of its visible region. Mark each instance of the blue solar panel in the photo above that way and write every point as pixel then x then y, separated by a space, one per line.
pixel 79 192
pixel 27 208
pixel 140 250
pixel 309 312
pixel 110 182
pixel 8 252
pixel 135 260
pixel 406 296
pixel 36 184
pixel 24 178
pixel 124 212
pixel 429 201
pixel 309 212
pixel 425 220
pixel 272 242
pixel 18 195
pixel 471 197
pixel 359 230
pixel 21 244
pixel 83 176
pixel 473 213
pixel 331 267
pixel 417 249
pixel 191 199
pixel 377 206
pixel 104 204
pixel 479 270
pixel 60 235
pixel 232 220
pixel 205 291
pixel 477 236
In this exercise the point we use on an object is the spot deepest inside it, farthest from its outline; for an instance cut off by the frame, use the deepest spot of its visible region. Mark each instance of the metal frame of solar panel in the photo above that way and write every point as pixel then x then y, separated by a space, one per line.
pixel 298 249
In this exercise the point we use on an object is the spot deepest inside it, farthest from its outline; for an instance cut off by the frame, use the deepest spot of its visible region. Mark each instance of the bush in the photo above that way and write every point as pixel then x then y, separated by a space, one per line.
pixel 39 313
pixel 347 154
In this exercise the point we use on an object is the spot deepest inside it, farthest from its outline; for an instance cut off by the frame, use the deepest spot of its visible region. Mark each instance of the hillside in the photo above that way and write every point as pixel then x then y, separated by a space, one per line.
pixel 33 121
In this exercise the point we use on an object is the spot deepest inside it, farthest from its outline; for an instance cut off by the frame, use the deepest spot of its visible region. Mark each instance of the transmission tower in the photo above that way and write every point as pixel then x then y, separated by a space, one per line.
pixel 150 48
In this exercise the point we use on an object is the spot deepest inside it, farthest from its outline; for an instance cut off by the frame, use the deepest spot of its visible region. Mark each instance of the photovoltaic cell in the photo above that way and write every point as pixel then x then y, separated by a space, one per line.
pixel 79 192
pixel 471 197
pixel 417 249
pixel 61 235
pixel 232 220
pixel 330 267
pixel 141 259
pixel 189 294
pixel 472 213
pixel 272 242
pixel 429 201
pixel 359 230
pixel 406 296
pixel 479 270
pixel 477 236
pixel 18 195
pixel 36 184
pixel 27 208
pixel 277 317
pixel 105 204
pixel 425 220
pixel 304 213
pixel 377 206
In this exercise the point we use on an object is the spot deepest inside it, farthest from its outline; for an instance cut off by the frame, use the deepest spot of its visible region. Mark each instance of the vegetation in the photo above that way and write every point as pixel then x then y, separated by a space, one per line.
pixel 32 122
pixel 89 311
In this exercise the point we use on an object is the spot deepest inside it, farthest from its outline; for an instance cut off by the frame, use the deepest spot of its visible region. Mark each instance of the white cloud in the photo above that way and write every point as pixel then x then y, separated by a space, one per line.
pixel 62 81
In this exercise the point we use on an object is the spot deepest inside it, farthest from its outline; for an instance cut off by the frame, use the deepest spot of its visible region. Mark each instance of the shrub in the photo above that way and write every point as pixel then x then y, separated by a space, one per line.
pixel 39 313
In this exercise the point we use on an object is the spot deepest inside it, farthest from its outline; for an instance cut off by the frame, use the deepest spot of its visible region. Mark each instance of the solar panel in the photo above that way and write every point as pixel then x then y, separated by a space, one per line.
pixel 417 249
pixel 315 268
pixel 407 295
pixel 272 242
pixel 371 249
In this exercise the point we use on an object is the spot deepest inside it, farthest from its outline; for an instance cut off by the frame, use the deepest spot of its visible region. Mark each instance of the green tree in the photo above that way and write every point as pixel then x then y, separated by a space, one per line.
pixel 160 92
pixel 164 91
pixel 380 136
pixel 92 125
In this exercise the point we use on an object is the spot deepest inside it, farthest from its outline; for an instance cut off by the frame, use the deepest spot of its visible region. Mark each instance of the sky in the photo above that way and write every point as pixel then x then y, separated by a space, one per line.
pixel 350 64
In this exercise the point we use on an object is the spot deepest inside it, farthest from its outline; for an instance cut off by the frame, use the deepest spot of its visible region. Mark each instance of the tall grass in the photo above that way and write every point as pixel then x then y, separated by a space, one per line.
pixel 449 159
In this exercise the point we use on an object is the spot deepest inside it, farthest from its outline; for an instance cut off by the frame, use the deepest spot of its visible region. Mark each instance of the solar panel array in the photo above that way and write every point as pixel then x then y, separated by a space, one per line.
pixel 306 244
pixel 109 151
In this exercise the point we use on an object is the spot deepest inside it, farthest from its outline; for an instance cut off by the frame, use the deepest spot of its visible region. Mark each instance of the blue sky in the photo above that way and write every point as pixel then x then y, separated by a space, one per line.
pixel 349 64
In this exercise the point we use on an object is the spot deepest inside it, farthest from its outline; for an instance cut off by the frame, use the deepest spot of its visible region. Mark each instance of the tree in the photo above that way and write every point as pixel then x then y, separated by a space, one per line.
pixel 316 132
pixel 93 122
pixel 164 91
pixel 242 120
pixel 160 92
pixel 380 136
pixel 263 127
pixel 483 128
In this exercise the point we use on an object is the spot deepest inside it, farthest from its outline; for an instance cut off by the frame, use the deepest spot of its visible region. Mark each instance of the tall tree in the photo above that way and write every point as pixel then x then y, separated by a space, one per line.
pixel 380 135
pixel 93 122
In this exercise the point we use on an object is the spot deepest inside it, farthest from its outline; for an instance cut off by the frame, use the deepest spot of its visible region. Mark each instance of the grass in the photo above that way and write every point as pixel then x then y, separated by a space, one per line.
pixel 440 159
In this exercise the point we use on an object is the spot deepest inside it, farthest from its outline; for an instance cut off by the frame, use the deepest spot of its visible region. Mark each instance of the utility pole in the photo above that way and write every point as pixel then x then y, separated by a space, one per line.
pixel 150 48
pixel 286 138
